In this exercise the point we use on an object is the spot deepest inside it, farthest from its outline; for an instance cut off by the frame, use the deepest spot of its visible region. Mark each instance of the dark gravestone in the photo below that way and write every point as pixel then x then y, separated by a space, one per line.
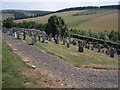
pixel 74 42
pixel 80 48
pixel 39 38
pixel 68 44
pixel 103 51
pixel 24 35
pixel 99 48
pixel 112 52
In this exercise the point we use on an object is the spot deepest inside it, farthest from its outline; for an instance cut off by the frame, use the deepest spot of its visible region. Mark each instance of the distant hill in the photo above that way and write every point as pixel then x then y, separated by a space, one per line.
pixel 22 14
pixel 96 19
pixel 19 14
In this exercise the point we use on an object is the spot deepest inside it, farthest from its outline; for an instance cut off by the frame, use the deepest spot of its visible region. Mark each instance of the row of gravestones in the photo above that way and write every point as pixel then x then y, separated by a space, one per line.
pixel 20 33
pixel 84 44
pixel 33 33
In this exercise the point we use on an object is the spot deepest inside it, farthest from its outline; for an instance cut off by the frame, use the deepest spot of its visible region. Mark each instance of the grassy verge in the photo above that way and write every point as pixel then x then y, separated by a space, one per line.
pixel 12 68
pixel 71 54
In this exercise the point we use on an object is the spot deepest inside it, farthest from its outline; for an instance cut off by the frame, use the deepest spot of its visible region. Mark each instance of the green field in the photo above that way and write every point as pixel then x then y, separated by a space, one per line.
pixel 72 55
pixel 95 20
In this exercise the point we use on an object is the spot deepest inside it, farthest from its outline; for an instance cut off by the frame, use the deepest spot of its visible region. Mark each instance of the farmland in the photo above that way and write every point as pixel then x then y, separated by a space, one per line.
pixel 95 20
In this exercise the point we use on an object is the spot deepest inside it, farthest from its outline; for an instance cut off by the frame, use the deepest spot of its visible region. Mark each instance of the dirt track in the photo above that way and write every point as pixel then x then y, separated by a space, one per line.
pixel 83 78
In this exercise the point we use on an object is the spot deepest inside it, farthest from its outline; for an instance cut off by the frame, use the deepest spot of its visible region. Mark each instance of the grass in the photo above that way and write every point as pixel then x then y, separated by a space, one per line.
pixel 71 54
pixel 85 22
pixel 12 67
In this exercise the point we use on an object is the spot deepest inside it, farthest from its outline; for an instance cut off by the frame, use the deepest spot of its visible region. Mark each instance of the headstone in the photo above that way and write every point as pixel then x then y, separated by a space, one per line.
pixel 99 48
pixel 18 35
pixel 108 51
pixel 33 41
pixel 80 48
pixel 39 37
pixel 15 34
pixel 30 33
pixel 92 47
pixel 64 41
pixel 68 44
pixel 24 35
pixel 43 36
pixel 35 36
pixel 112 53
pixel 103 51
pixel 50 37
pixel 74 42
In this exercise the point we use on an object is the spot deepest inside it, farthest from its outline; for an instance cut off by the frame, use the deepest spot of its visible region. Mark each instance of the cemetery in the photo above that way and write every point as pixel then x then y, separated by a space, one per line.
pixel 71 49
pixel 78 61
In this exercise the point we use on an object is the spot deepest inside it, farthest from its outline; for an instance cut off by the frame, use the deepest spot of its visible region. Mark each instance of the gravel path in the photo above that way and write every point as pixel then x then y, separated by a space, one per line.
pixel 82 78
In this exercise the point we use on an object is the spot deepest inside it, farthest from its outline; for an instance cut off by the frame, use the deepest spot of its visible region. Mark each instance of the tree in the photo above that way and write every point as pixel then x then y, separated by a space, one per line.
pixel 8 23
pixel 56 26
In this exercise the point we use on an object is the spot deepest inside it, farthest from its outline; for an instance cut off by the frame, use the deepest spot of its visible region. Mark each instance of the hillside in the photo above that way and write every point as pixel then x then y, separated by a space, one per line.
pixel 21 13
pixel 96 20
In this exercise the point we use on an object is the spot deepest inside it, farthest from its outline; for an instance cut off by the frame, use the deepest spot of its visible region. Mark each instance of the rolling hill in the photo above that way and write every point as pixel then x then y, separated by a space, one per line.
pixel 95 20
pixel 21 13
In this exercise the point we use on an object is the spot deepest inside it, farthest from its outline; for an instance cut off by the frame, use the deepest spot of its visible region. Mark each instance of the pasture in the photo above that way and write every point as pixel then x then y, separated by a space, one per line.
pixel 98 21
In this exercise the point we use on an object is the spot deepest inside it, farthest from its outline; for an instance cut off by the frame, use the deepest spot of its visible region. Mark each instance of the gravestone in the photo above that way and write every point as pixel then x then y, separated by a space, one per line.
pixel 39 38
pixel 24 35
pixel 30 33
pixel 35 36
pixel 80 48
pixel 50 37
pixel 112 52
pixel 92 47
pixel 103 51
pixel 68 44
pixel 64 41
pixel 74 42
pixel 43 36
pixel 99 48
pixel 88 46
pixel 108 51
pixel 18 35
pixel 33 41
pixel 15 34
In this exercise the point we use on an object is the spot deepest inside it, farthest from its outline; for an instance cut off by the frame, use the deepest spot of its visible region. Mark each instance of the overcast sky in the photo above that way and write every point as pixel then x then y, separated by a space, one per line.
pixel 53 5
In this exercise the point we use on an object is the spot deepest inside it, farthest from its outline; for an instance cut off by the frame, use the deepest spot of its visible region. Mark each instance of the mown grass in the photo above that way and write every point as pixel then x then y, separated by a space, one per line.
pixel 12 68
pixel 79 22
pixel 71 54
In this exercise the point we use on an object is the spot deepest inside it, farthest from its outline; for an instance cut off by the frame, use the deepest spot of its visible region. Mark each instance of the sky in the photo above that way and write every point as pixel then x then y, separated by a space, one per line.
pixel 52 5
